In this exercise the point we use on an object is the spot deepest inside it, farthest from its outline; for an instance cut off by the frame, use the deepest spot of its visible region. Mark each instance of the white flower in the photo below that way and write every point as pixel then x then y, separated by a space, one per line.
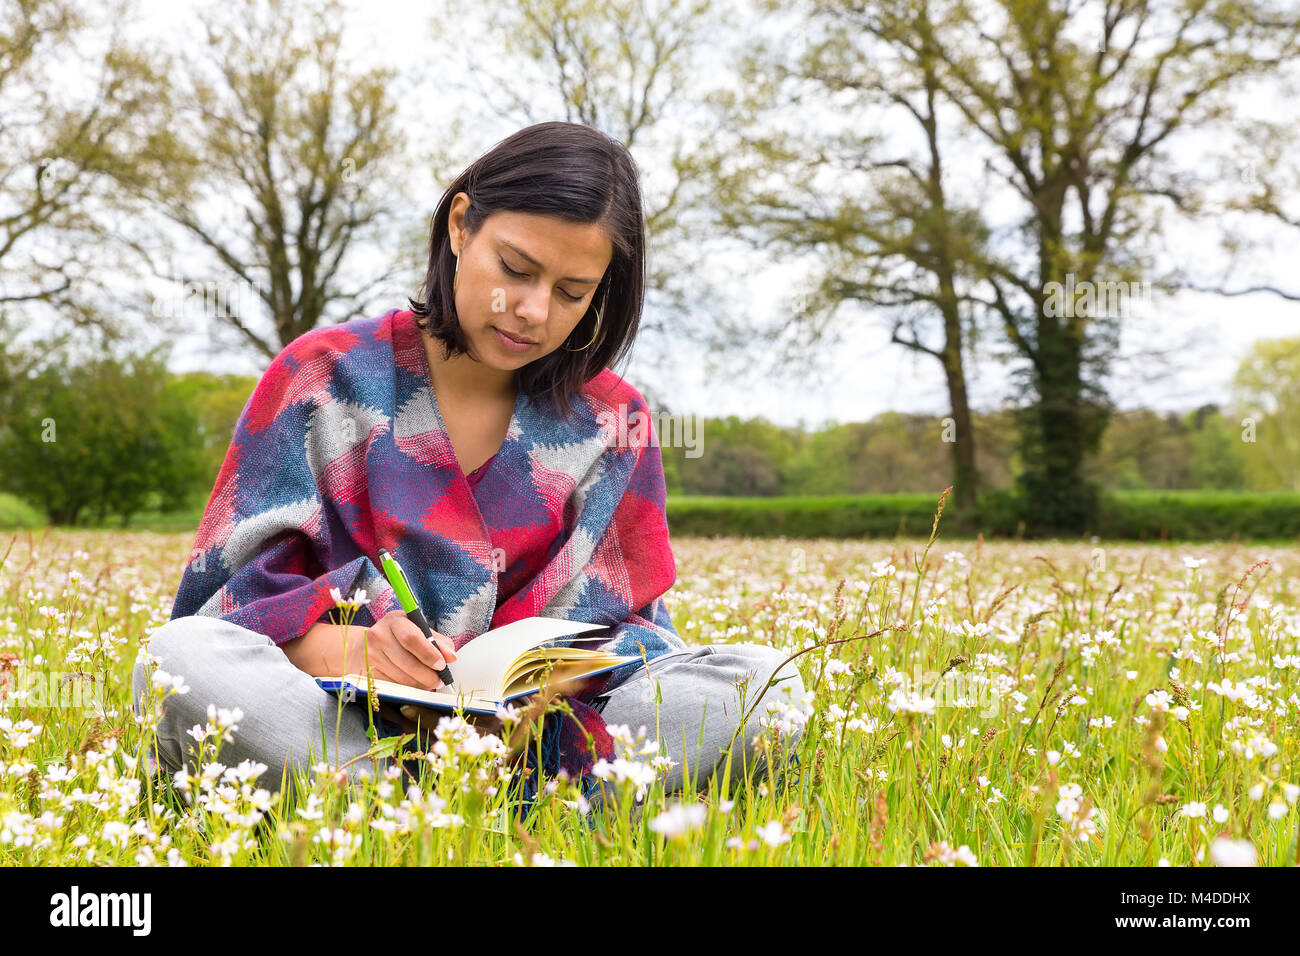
pixel 507 712
pixel 1068 799
pixel 1225 852
pixel 642 775
pixel 1158 700
pixel 679 819
pixel 1193 809
pixel 1220 813
pixel 773 834
pixel 942 852
pixel 910 702
pixel 1231 691
pixel 581 804
pixel 1192 563
pixel 169 682
pixel 116 833
pixel 354 602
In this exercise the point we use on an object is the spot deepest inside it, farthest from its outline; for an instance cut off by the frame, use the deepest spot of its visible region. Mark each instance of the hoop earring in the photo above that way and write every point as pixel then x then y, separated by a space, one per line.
pixel 596 331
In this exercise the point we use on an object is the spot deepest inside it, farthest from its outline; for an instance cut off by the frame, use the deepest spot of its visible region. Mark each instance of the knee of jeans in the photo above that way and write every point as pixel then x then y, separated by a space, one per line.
pixel 163 641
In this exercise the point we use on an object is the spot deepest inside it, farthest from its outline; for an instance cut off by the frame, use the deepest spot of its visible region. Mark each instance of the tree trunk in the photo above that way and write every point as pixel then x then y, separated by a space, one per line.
pixel 1056 436
pixel 965 479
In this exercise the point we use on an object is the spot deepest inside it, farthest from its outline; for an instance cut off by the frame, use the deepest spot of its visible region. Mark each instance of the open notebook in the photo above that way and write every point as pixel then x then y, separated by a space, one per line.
pixel 498 666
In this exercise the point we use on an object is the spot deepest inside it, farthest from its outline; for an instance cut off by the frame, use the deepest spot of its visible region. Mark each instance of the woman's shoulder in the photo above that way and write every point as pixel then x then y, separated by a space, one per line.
pixel 609 390
pixel 618 411
pixel 320 362
pixel 353 336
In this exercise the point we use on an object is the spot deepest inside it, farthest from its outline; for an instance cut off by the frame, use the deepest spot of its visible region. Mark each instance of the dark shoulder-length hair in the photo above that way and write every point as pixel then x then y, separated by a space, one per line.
pixel 561 169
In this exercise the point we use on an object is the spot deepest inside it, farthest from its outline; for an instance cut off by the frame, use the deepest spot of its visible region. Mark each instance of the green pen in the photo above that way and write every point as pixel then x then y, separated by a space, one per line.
pixel 393 571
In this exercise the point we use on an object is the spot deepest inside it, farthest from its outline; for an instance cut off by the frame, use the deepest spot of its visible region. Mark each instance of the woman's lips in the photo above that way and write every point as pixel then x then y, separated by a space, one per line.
pixel 512 344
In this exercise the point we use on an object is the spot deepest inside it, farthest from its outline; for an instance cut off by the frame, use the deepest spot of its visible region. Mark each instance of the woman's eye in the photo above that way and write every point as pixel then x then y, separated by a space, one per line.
pixel 519 275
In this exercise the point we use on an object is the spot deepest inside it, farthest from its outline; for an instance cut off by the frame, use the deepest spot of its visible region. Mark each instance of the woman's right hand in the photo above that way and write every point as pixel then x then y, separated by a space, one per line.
pixel 399 652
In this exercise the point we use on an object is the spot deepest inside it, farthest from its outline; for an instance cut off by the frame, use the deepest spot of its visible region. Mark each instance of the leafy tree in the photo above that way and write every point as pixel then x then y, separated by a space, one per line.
pixel 99 437
pixel 216 401
pixel 62 145
pixel 1216 455
pixel 1076 108
pixel 304 156
pixel 1267 392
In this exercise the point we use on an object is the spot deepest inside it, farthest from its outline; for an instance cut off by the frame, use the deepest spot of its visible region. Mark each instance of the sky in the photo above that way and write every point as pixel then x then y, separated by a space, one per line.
pixel 860 374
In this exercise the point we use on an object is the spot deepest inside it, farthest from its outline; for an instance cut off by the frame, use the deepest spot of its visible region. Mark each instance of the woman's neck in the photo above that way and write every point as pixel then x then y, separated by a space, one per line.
pixel 464 378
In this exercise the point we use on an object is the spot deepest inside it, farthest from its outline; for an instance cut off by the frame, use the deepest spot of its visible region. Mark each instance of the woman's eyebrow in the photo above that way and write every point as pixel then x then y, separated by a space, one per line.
pixel 525 255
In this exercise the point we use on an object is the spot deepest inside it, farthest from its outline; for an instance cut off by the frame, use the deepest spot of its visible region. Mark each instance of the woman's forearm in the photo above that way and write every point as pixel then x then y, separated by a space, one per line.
pixel 319 652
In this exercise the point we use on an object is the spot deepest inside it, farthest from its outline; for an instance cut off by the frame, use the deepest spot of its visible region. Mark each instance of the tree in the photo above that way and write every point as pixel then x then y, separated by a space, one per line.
pixel 1216 459
pixel 97 437
pixel 216 402
pixel 624 67
pixel 1074 108
pixel 61 146
pixel 1267 392
pixel 303 160
pixel 897 234
pixel 741 457
pixel 1081 105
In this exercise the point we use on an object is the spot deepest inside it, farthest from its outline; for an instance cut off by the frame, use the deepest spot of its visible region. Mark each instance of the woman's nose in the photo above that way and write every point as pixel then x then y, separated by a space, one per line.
pixel 534 306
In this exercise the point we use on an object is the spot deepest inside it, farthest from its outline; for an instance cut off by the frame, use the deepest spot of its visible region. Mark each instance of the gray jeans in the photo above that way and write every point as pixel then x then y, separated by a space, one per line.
pixel 289 723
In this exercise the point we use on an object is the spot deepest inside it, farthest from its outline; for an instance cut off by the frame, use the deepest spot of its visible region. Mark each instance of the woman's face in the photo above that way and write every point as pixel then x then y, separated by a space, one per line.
pixel 524 277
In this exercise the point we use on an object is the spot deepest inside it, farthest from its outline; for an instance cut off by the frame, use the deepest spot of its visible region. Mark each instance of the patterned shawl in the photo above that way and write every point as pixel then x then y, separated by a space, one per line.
pixel 341 451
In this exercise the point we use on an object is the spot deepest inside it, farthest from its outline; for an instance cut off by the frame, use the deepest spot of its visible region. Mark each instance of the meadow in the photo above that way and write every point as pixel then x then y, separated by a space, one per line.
pixel 972 703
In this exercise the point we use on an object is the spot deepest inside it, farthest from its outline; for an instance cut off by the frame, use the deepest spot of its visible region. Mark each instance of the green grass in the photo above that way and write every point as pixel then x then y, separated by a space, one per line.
pixel 1045 665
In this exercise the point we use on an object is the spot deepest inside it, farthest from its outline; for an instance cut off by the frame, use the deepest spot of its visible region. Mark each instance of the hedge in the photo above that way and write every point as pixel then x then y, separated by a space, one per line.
pixel 1144 516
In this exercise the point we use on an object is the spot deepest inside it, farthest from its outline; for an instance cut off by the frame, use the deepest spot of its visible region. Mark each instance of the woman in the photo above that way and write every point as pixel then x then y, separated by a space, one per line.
pixel 482 438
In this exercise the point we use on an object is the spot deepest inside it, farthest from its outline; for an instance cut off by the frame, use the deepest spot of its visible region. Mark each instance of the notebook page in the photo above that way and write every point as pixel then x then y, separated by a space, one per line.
pixel 480 664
